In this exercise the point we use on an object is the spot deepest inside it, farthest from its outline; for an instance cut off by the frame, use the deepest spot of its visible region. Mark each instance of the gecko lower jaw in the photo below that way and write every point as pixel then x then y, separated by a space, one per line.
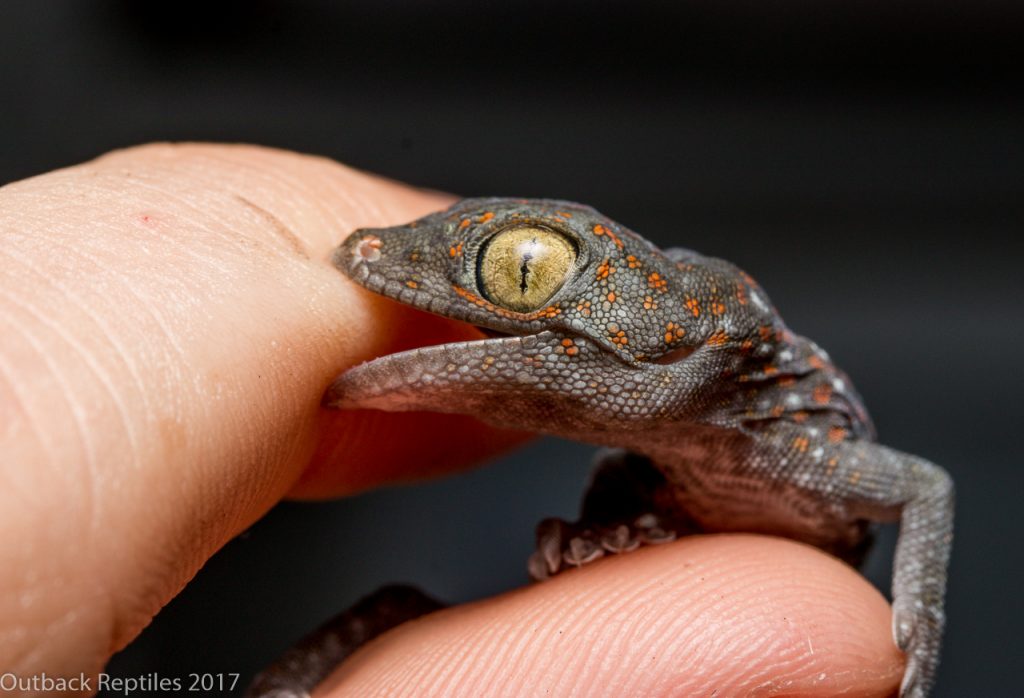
pixel 372 383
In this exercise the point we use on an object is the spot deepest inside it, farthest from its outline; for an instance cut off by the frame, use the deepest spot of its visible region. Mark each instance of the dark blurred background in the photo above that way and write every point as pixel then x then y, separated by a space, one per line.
pixel 865 161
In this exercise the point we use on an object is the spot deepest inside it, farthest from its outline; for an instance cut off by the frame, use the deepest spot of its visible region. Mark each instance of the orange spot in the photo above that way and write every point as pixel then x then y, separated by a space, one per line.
pixel 717 308
pixel 617 336
pixel 611 296
pixel 572 351
pixel 770 370
pixel 600 230
pixel 567 342
pixel 604 269
pixel 412 284
pixel 765 332
pixel 801 443
pixel 563 214
pixel 786 381
pixel 465 223
pixel 800 417
pixel 741 294
pixel 693 305
pixel 816 362
pixel 650 303
pixel 832 463
pixel 673 332
pixel 486 217
pixel 822 393
pixel 718 339
pixel 855 477
pixel 836 434
pixel 414 257
pixel 456 250
pixel 777 411
pixel 584 307
pixel 655 281
pixel 747 345
pixel 632 262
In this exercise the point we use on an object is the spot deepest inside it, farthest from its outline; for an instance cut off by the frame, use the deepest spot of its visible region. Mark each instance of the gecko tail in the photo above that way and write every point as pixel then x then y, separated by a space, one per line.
pixel 303 666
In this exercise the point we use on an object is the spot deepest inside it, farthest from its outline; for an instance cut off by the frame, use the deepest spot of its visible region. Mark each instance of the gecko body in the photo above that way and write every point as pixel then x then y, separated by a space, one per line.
pixel 716 415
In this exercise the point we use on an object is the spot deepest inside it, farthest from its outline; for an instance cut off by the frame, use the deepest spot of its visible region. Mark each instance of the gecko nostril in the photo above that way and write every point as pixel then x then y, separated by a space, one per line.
pixel 368 249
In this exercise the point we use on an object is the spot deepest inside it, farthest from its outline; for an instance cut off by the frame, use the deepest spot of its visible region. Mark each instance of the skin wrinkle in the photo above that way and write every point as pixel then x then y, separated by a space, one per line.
pixel 19 398
pixel 292 186
pixel 476 653
pixel 287 236
pixel 90 358
pixel 568 619
pixel 77 421
pixel 513 654
pixel 615 610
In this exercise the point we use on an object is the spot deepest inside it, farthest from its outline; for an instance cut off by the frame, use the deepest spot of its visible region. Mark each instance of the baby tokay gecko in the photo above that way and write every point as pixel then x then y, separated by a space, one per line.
pixel 718 417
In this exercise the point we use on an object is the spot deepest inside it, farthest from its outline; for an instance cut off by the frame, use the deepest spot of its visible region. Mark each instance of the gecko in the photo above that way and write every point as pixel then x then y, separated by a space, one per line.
pixel 715 417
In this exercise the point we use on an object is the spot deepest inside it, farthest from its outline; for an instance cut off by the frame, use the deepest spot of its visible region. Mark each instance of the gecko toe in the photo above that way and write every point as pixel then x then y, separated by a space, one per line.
pixel 910 687
pixel 581 551
pixel 902 626
pixel 551 537
pixel 537 567
pixel 619 540
pixel 652 531
pixel 917 631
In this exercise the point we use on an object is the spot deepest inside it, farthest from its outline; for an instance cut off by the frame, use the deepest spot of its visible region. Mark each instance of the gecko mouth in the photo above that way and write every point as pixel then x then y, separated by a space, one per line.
pixel 491 334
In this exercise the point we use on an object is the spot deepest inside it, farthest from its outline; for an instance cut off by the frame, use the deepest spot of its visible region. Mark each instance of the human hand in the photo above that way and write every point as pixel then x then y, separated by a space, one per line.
pixel 170 321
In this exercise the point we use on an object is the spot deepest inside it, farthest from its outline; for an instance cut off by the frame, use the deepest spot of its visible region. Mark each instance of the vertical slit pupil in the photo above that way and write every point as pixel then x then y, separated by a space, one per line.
pixel 524 269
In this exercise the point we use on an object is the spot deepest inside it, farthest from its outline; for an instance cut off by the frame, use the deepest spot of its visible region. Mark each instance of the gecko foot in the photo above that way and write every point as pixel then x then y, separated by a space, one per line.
pixel 562 545
pixel 917 632
pixel 620 512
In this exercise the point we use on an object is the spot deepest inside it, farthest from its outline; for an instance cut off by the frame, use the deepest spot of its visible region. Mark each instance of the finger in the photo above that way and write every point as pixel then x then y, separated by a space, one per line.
pixel 733 615
pixel 168 323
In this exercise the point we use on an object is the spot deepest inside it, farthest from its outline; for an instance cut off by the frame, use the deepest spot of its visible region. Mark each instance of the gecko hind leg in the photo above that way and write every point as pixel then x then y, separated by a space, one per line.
pixel 620 512
pixel 303 666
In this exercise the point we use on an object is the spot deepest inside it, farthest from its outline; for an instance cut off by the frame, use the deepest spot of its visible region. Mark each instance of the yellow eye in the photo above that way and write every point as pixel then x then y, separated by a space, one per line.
pixel 521 268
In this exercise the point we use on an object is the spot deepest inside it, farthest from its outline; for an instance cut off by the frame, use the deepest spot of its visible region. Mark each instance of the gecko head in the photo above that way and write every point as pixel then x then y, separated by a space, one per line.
pixel 573 303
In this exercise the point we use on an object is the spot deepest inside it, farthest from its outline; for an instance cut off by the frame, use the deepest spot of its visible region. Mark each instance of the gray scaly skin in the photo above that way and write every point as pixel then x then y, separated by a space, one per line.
pixel 722 418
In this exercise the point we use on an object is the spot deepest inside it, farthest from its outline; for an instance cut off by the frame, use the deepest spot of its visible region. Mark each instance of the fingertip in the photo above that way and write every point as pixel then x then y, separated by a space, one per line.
pixel 736 614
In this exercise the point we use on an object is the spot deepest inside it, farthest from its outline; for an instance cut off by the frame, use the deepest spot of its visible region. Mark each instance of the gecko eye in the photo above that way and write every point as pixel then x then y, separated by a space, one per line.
pixel 521 268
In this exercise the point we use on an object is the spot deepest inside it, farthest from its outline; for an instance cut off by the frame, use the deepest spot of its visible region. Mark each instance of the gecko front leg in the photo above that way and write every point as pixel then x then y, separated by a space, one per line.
pixel 922 497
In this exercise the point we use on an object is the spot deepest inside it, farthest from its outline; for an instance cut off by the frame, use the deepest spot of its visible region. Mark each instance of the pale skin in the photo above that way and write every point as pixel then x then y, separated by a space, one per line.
pixel 169 321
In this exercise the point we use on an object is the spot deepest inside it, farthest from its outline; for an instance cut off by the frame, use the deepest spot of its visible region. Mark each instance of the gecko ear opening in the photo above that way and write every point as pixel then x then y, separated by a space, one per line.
pixel 521 268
